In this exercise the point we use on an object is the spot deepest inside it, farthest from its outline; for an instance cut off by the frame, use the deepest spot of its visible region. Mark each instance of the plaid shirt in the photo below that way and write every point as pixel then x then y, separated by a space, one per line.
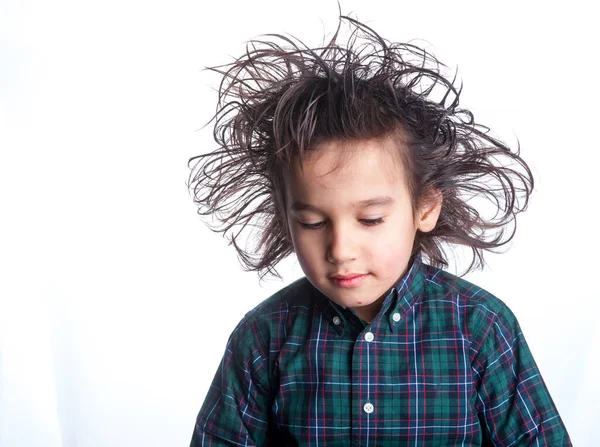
pixel 444 363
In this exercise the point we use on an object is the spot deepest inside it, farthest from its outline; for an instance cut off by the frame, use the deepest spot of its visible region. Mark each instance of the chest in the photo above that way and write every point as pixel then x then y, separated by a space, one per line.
pixel 371 387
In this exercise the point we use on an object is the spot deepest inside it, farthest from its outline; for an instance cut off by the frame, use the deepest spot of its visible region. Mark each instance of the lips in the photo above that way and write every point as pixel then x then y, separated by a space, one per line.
pixel 350 280
pixel 348 276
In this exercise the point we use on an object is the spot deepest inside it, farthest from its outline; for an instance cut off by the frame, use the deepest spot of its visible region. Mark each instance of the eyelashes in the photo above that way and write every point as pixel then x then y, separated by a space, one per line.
pixel 318 225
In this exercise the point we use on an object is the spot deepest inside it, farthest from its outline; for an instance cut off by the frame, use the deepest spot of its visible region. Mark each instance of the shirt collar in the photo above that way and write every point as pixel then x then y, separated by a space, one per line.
pixel 405 293
pixel 401 298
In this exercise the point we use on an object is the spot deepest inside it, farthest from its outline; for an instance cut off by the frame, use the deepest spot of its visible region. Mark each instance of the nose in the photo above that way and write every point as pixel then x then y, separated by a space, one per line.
pixel 342 246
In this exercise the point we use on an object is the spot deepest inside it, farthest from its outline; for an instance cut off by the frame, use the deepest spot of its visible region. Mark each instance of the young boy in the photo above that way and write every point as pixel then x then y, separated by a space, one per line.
pixel 358 159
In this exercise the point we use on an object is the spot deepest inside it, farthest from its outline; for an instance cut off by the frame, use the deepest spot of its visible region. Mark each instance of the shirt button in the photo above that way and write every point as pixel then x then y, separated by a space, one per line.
pixel 368 408
pixel 369 337
pixel 396 317
pixel 336 320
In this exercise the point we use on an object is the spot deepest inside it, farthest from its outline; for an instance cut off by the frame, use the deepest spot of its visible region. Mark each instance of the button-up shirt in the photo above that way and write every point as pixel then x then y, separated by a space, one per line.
pixel 443 363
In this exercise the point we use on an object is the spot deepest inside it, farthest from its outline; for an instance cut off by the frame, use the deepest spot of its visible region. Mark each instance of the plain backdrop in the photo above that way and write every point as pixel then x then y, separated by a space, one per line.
pixel 117 301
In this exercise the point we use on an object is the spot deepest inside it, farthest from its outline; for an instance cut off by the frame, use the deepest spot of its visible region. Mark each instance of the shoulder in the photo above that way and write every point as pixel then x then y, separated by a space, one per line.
pixel 440 284
pixel 264 326
pixel 297 298
pixel 293 297
pixel 475 309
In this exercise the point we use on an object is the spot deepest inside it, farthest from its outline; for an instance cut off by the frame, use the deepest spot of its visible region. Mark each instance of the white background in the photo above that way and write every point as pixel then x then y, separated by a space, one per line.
pixel 117 301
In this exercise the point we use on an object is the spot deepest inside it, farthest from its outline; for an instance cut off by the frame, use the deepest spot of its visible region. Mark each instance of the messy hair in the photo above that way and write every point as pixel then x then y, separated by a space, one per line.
pixel 281 98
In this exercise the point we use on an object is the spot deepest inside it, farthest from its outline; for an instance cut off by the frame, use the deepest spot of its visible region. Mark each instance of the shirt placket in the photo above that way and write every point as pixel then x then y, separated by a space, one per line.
pixel 364 402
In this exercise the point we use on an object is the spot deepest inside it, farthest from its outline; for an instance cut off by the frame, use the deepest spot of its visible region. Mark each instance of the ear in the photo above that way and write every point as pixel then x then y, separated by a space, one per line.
pixel 429 210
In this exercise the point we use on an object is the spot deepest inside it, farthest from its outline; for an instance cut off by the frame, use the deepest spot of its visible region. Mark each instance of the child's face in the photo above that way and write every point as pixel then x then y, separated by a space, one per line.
pixel 355 221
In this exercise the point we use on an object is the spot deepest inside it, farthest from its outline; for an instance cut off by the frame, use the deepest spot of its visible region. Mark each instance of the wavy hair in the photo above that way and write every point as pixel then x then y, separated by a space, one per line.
pixel 281 98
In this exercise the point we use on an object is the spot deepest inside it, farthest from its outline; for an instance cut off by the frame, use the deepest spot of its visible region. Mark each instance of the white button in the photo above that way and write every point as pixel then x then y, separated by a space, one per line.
pixel 369 336
pixel 336 320
pixel 396 317
pixel 368 408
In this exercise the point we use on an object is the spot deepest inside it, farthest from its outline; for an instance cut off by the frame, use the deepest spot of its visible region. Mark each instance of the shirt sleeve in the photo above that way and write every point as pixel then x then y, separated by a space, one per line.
pixel 236 408
pixel 514 405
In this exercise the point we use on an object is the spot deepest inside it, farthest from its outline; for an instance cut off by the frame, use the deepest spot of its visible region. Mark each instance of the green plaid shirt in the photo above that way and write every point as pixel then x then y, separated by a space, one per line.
pixel 444 363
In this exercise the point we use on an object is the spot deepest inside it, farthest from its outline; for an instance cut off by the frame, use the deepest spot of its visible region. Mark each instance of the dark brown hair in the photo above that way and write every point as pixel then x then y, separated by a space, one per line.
pixel 281 98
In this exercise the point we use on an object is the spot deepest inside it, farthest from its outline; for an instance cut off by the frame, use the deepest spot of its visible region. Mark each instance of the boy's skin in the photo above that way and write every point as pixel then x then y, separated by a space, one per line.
pixel 348 238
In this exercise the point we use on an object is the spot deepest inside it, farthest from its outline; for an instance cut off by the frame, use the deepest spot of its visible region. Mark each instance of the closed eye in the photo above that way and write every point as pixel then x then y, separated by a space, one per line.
pixel 317 225
pixel 371 222
pixel 313 226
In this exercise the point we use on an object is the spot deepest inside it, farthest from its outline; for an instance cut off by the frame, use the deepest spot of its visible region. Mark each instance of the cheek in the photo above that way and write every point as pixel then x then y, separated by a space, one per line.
pixel 393 261
pixel 389 256
pixel 392 253
pixel 306 247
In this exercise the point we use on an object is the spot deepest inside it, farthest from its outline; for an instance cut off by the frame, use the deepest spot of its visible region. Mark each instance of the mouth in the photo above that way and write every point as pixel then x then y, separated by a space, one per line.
pixel 350 280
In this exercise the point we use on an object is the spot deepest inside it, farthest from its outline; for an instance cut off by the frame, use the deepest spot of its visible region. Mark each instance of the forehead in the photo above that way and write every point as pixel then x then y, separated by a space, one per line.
pixel 356 170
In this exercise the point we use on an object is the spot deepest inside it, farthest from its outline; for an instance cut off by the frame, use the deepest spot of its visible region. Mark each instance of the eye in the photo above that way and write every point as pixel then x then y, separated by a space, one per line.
pixel 313 226
pixel 371 222
pixel 318 225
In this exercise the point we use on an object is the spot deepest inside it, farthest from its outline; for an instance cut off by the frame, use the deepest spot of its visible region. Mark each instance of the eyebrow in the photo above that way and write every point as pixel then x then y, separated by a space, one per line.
pixel 375 201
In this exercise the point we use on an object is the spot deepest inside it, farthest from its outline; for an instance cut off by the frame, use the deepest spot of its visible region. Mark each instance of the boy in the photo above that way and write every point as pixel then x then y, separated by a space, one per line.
pixel 345 156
